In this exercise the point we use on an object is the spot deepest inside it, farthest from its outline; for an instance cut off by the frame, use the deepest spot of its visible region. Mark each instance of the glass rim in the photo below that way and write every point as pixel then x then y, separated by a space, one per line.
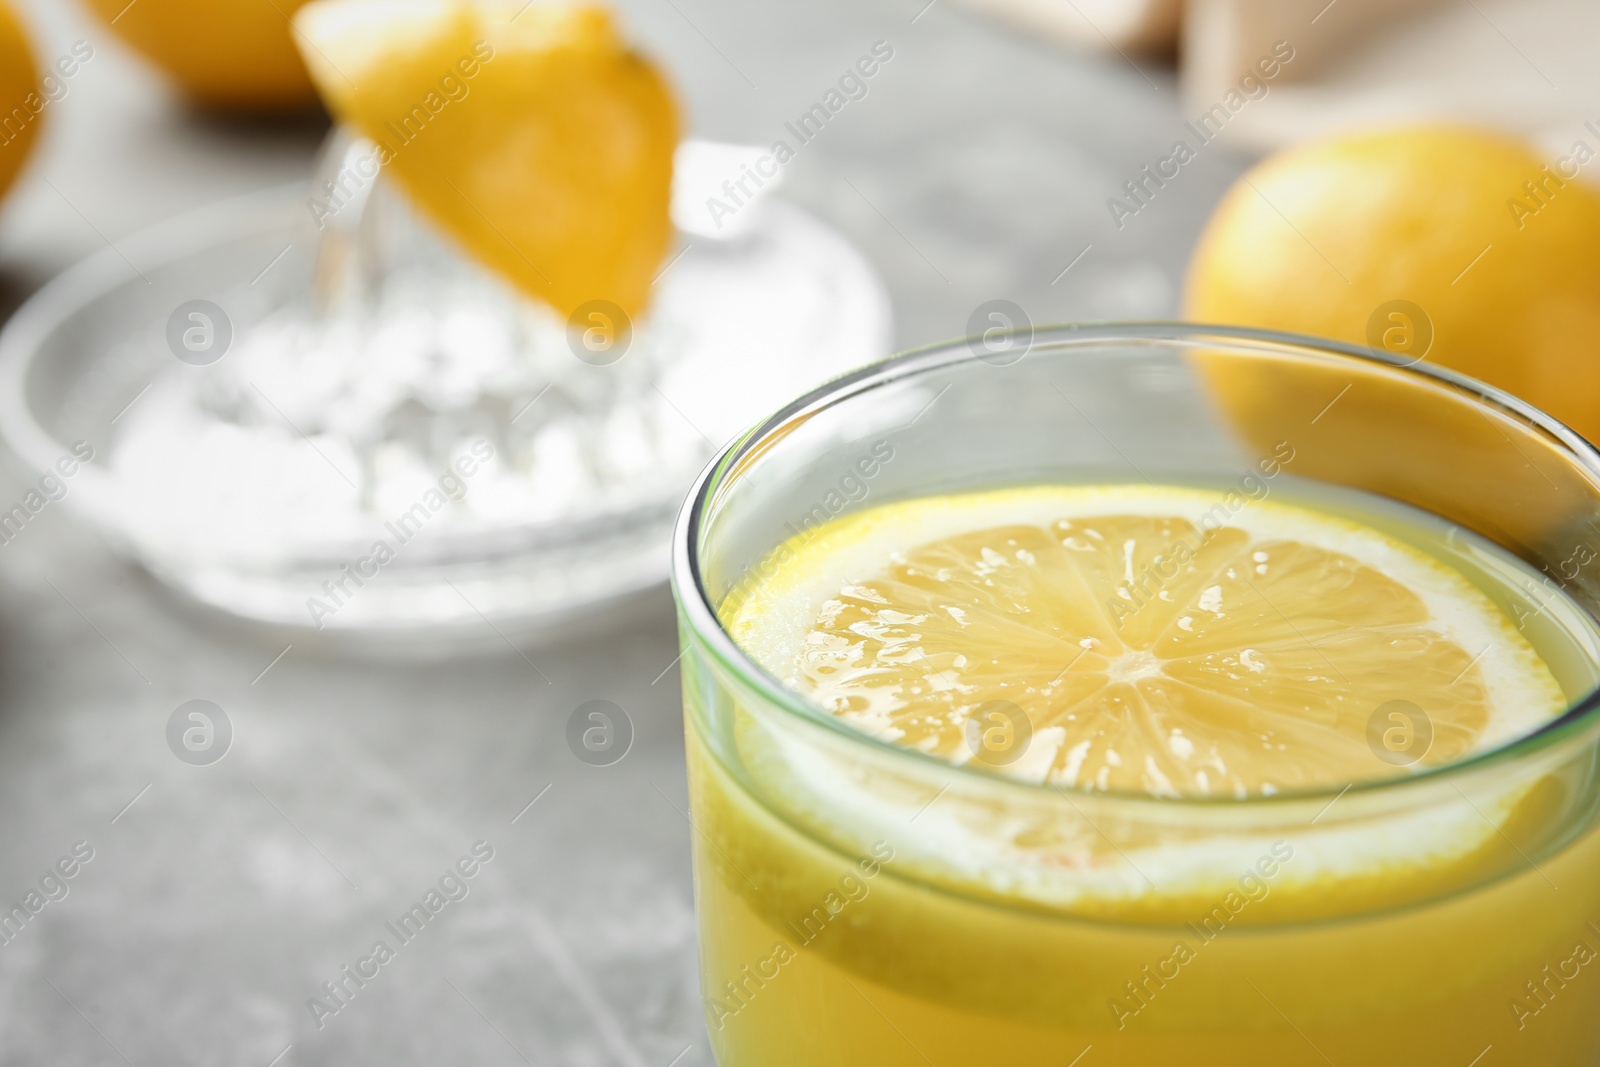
pixel 698 611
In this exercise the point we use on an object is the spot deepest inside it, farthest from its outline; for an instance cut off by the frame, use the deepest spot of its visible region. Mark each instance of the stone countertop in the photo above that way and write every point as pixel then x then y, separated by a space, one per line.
pixel 219 898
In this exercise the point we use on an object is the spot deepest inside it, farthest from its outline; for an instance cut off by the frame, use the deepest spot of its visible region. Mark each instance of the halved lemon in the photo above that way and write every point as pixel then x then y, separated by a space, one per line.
pixel 21 102
pixel 1144 639
pixel 530 132
pixel 235 56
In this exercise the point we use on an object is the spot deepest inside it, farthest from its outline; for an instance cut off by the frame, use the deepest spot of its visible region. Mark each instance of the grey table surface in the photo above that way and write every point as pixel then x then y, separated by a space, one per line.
pixel 220 898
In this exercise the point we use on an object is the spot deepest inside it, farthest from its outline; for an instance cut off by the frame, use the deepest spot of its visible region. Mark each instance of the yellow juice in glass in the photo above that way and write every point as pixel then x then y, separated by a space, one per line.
pixel 1143 774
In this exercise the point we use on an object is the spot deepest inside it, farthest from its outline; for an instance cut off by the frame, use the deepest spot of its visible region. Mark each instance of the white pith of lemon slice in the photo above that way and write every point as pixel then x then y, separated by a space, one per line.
pixel 905 619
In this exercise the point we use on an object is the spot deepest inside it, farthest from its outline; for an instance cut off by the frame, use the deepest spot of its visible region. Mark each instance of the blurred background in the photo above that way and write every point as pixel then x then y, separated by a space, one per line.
pixel 1019 155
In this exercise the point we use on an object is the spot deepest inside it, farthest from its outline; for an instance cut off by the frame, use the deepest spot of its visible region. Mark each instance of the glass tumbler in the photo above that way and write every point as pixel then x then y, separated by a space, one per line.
pixel 866 904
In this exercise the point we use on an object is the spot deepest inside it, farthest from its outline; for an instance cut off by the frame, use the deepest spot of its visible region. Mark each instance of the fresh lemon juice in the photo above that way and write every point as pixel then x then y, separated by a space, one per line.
pixel 1154 778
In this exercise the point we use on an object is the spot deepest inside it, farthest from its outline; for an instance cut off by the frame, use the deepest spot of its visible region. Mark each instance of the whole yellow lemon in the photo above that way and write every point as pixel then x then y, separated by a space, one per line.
pixel 1457 246
pixel 22 104
pixel 235 55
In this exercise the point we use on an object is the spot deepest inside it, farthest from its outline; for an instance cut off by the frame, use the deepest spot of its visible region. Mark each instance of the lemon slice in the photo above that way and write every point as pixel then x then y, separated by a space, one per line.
pixel 528 131
pixel 1147 640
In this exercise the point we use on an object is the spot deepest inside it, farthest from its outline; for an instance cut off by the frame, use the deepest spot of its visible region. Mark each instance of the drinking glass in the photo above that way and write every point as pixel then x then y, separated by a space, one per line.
pixel 862 903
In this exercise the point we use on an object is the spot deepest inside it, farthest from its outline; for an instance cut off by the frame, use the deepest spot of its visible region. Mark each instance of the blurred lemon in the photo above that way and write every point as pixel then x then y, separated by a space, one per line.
pixel 1450 244
pixel 231 54
pixel 530 133
pixel 21 102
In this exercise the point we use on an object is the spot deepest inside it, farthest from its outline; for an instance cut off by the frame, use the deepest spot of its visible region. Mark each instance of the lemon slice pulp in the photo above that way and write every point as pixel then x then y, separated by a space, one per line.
pixel 1144 639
